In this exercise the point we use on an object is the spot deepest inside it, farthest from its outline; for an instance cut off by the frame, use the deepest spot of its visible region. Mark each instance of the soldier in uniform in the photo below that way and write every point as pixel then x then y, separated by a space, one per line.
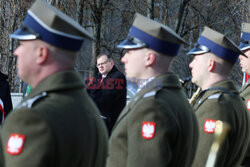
pixel 57 124
pixel 158 127
pixel 214 57
pixel 245 66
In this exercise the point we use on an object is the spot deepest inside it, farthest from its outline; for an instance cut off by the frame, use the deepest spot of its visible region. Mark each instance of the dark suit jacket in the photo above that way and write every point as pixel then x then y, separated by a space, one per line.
pixel 5 95
pixel 109 96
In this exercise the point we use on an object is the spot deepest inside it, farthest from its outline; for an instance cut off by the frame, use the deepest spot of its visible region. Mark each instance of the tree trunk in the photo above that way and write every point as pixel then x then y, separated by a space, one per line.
pixel 150 9
pixel 180 14
pixel 80 9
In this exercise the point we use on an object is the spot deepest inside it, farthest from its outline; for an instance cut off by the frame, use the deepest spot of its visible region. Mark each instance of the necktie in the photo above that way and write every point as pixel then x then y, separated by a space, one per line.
pixel 102 79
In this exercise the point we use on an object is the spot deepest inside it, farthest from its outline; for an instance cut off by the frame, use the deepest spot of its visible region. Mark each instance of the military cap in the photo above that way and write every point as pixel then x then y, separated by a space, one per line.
pixel 48 24
pixel 245 36
pixel 216 43
pixel 148 33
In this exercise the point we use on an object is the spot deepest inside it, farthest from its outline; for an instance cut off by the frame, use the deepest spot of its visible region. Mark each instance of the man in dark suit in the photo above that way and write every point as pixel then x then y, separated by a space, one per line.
pixel 108 90
pixel 57 124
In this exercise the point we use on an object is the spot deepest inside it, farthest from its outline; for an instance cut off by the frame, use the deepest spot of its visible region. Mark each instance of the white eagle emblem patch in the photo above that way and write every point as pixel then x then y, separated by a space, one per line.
pixel 148 130
pixel 209 125
pixel 15 144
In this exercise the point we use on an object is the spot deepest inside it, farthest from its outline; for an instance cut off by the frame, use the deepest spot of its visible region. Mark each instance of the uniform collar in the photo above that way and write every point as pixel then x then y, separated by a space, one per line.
pixel 167 80
pixel 59 81
pixel 204 94
pixel 227 84
pixel 245 86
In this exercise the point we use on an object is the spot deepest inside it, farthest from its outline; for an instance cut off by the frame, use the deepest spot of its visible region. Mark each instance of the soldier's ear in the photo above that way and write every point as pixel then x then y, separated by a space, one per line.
pixel 211 64
pixel 42 54
pixel 150 58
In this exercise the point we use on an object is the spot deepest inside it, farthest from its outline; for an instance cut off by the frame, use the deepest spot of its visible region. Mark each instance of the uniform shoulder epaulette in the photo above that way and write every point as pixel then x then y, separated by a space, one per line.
pixel 222 90
pixel 29 102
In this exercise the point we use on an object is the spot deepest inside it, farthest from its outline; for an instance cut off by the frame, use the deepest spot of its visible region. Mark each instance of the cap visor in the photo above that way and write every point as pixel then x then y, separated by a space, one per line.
pixel 196 51
pixel 244 46
pixel 127 44
pixel 22 34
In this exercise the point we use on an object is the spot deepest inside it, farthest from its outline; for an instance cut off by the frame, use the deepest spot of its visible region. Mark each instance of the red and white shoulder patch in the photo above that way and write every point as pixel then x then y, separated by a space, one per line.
pixel 248 104
pixel 209 125
pixel 15 144
pixel 148 130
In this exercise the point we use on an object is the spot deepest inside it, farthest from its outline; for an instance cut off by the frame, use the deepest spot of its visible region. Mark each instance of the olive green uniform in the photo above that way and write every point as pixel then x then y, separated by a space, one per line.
pixel 58 126
pixel 172 138
pixel 245 93
pixel 221 102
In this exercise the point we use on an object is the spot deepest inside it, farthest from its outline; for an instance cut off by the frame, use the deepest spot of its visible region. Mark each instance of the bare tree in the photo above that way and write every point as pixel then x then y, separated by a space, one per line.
pixel 150 9
pixel 110 20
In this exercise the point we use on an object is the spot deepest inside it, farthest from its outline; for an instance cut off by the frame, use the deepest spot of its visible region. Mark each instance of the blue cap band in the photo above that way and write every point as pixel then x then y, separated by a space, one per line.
pixel 245 36
pixel 55 39
pixel 218 50
pixel 158 45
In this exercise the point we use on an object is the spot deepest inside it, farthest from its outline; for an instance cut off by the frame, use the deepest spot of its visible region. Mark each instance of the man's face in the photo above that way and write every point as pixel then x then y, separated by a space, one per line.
pixel 134 63
pixel 26 53
pixel 245 62
pixel 104 65
pixel 198 69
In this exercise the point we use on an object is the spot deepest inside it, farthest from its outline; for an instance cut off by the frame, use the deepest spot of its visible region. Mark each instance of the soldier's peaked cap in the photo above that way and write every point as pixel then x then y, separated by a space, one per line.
pixel 47 23
pixel 216 43
pixel 245 36
pixel 148 33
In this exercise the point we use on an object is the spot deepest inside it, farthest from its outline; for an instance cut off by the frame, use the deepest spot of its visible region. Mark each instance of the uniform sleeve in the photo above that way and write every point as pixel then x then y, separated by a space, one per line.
pixel 207 115
pixel 26 140
pixel 150 133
